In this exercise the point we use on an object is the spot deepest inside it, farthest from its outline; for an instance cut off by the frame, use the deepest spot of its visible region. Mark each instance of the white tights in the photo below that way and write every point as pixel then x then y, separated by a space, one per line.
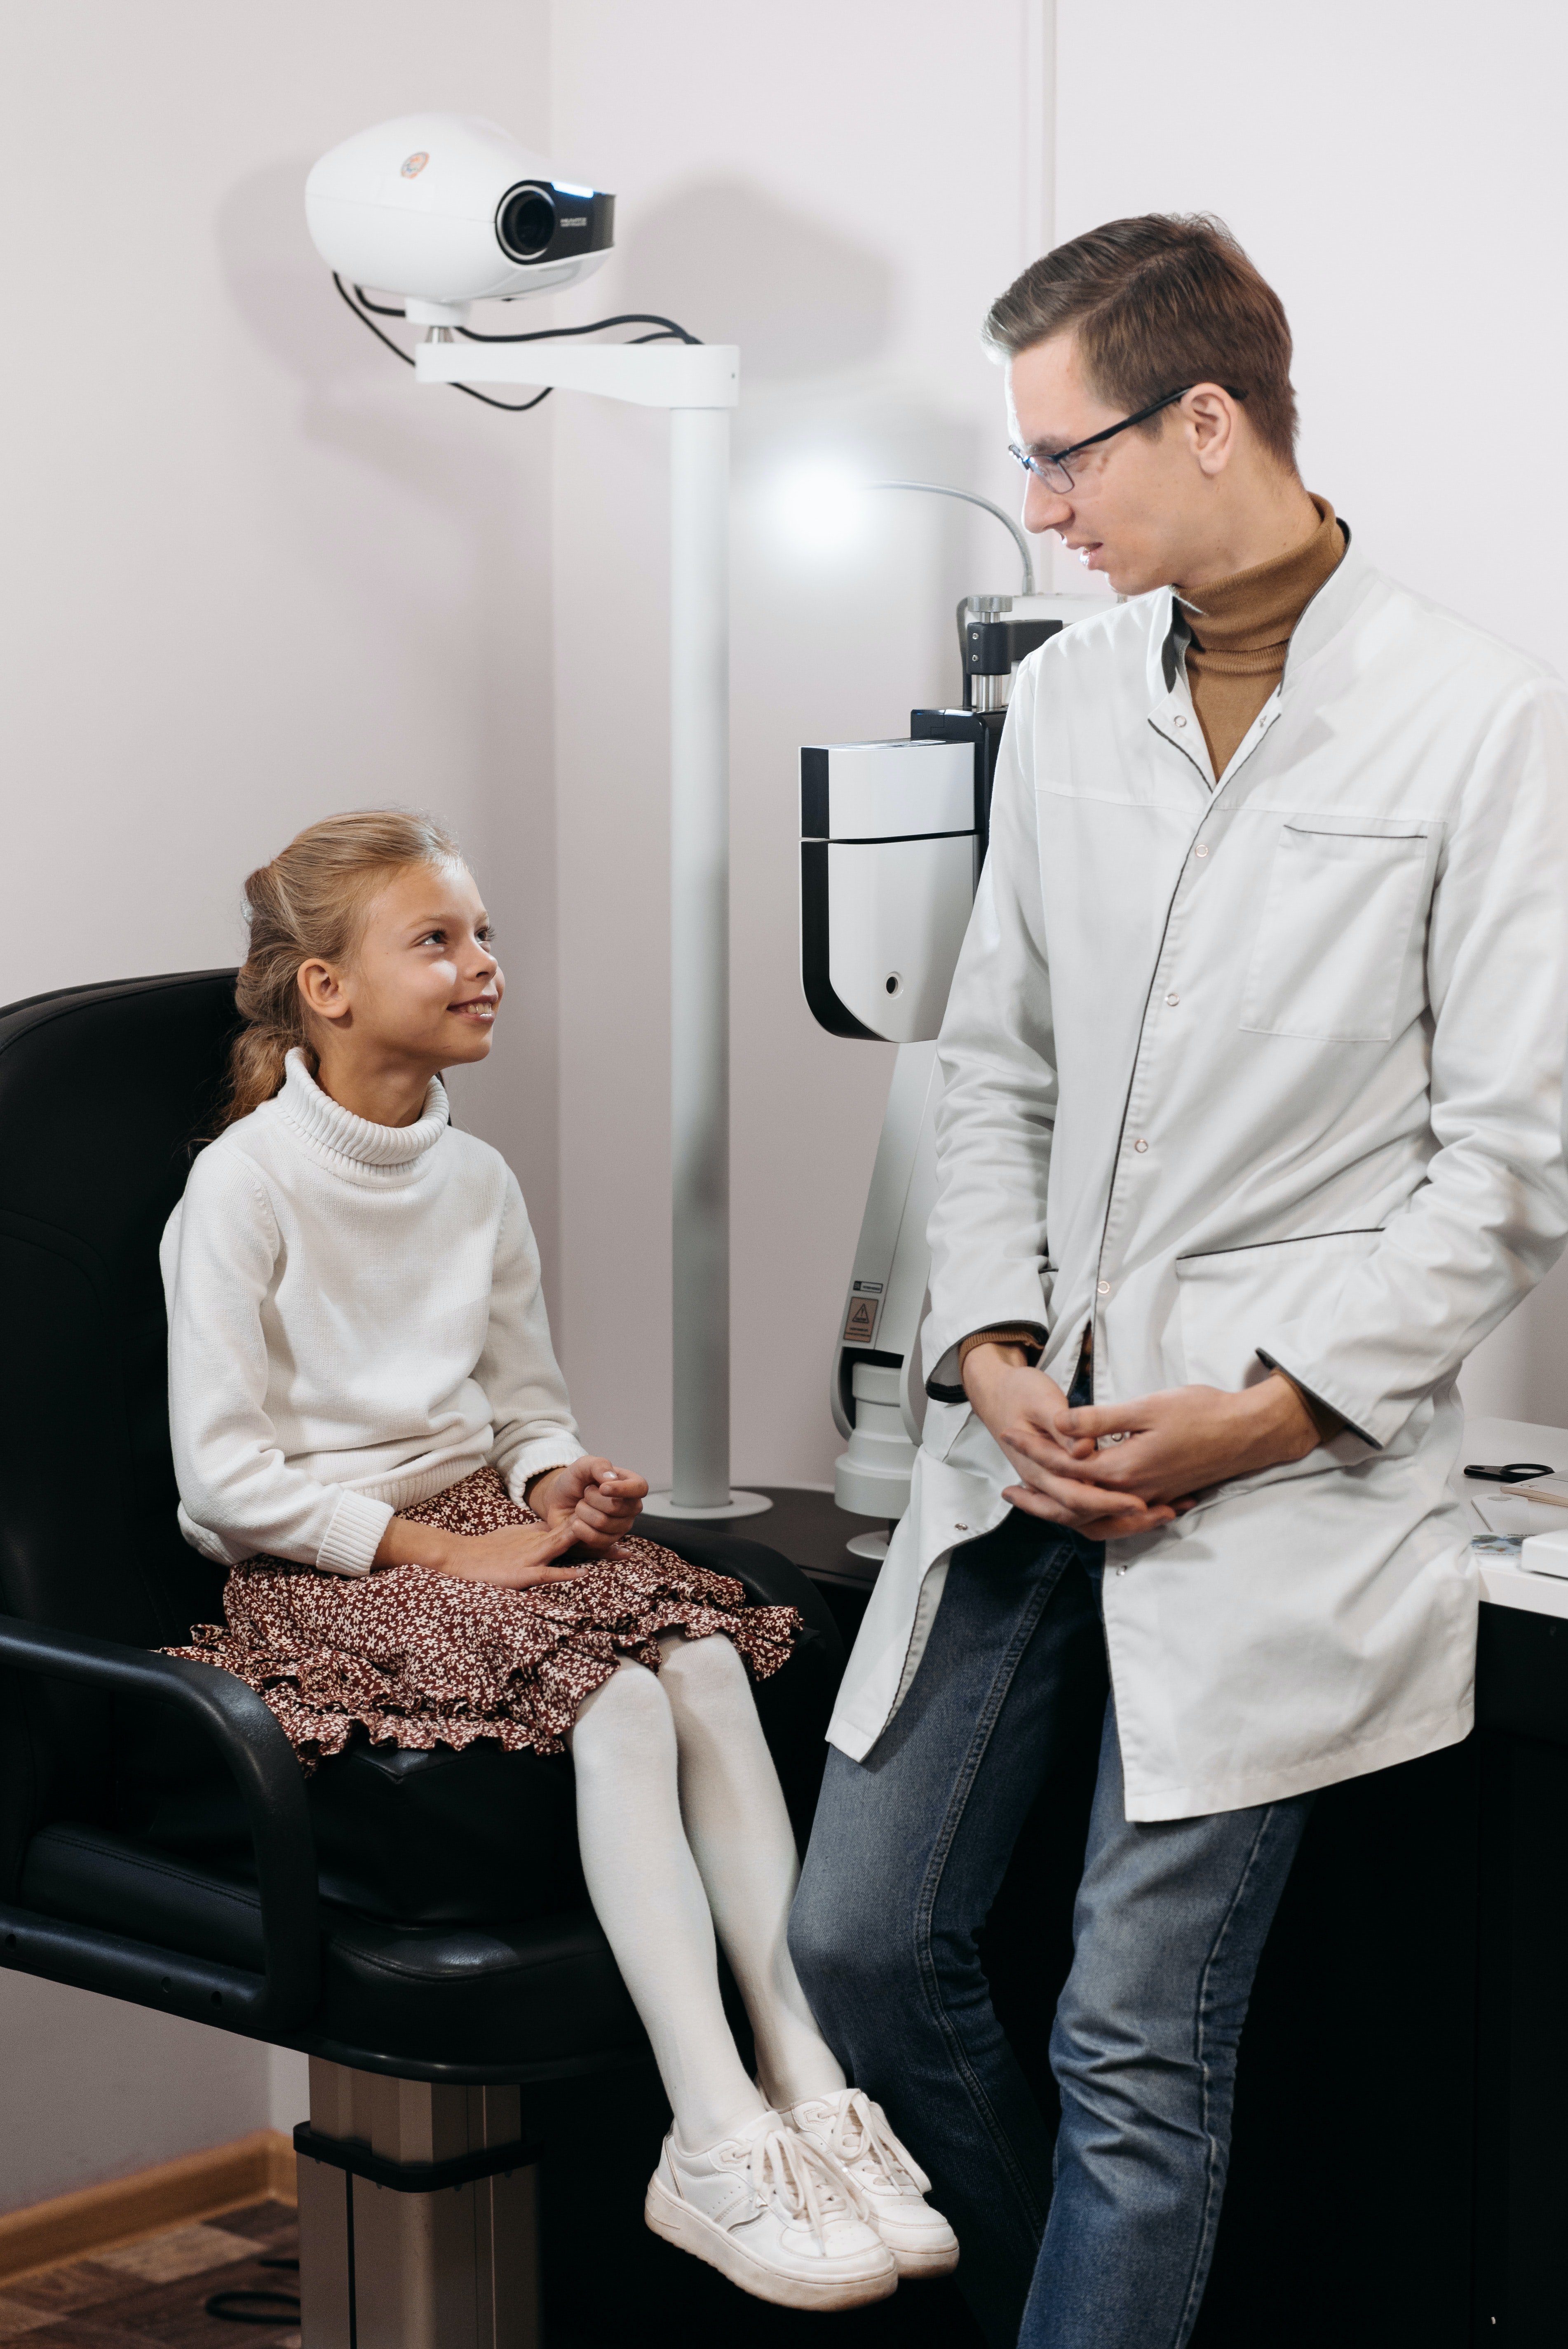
pixel 683 1827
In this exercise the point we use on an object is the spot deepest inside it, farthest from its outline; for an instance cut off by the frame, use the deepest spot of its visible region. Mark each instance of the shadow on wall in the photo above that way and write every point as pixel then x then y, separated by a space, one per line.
pixel 359 399
pixel 734 266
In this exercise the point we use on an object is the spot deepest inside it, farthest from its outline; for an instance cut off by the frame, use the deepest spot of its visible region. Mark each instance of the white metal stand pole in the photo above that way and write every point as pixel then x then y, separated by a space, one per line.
pixel 698 384
pixel 699 965
pixel 699 951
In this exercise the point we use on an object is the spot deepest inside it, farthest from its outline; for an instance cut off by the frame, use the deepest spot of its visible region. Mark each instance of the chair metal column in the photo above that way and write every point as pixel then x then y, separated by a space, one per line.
pixel 401 2246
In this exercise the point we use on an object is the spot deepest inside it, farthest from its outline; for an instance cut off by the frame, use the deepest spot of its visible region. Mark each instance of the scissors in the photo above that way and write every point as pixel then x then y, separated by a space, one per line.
pixel 1516 1472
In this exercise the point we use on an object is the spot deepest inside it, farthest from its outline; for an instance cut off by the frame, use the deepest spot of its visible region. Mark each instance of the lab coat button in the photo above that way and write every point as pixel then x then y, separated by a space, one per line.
pixel 1103 1287
pixel 1174 1001
pixel 1180 721
pixel 1202 849
pixel 960 1529
pixel 1140 1147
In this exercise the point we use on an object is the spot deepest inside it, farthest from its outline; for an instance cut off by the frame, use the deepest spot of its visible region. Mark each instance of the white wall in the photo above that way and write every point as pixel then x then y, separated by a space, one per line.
pixel 92 2089
pixel 1395 172
pixel 251 576
pixel 841 191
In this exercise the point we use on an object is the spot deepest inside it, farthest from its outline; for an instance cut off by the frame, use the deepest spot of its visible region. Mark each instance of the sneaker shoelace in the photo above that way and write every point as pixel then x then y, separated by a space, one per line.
pixel 860 2138
pixel 788 2170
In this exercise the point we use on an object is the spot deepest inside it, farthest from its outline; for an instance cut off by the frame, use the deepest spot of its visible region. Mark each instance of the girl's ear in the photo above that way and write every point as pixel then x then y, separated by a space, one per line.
pixel 322 990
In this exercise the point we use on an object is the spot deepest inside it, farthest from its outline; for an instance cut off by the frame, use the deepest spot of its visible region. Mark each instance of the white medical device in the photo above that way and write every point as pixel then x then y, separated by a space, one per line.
pixel 448 209
pixel 893 835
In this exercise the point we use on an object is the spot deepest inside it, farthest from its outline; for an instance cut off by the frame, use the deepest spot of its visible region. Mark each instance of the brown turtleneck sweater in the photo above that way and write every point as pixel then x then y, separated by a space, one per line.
pixel 1240 630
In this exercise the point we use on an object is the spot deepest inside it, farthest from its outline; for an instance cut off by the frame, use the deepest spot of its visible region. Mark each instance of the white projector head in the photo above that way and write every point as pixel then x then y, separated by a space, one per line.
pixel 448 209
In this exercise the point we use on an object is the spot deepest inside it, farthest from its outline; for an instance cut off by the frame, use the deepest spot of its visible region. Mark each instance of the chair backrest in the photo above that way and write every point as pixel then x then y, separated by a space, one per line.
pixel 104 1093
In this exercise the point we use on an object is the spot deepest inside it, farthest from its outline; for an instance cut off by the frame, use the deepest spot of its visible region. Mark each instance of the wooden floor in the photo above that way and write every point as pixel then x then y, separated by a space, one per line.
pixel 153 2295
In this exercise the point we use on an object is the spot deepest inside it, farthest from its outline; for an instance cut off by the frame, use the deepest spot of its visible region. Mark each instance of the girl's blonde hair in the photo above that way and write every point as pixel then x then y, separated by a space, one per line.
pixel 309 904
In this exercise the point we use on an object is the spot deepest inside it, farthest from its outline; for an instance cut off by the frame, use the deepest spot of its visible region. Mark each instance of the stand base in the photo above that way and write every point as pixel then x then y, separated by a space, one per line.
pixel 871 1546
pixel 740 1505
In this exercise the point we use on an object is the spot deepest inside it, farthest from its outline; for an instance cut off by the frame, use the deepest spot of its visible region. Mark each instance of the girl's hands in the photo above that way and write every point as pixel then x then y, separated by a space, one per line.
pixel 599 1503
pixel 513 1558
pixel 589 1506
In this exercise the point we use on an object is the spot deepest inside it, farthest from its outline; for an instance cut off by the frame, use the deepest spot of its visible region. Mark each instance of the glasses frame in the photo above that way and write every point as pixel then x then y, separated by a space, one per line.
pixel 1043 468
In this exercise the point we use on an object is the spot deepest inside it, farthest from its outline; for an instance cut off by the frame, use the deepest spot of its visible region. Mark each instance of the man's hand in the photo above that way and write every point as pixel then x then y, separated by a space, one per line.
pixel 599 1501
pixel 1167 1447
pixel 1058 1469
pixel 1170 1447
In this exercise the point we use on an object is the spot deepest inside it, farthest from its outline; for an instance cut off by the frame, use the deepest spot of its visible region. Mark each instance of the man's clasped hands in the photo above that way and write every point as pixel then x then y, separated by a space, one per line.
pixel 1170 1446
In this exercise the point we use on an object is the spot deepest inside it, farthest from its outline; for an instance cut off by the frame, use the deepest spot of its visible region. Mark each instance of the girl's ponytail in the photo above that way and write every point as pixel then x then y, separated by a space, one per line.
pixel 308 904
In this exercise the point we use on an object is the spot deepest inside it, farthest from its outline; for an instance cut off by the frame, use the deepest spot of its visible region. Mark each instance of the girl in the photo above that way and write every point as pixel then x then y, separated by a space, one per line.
pixel 370 1431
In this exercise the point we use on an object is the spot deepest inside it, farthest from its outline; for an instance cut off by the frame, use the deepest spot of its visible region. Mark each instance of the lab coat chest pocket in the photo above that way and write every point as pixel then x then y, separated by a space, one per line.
pixel 1335 930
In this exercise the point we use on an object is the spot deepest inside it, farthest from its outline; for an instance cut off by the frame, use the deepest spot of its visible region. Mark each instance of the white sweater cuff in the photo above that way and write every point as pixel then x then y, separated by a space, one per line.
pixel 354 1537
pixel 549 1452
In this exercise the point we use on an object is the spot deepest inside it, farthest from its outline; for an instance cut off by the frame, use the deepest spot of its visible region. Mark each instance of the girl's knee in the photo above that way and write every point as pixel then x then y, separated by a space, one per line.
pixel 629 1707
pixel 703 1671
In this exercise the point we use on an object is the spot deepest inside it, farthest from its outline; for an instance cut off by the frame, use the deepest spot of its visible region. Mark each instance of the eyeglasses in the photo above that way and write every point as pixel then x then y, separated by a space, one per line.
pixel 1053 471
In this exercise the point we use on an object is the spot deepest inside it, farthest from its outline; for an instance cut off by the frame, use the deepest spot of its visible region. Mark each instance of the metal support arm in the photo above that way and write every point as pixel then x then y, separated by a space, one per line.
pixel 271 1786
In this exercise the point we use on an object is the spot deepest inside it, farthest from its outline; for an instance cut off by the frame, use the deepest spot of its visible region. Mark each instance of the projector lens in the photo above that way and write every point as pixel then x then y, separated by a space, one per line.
pixel 527 221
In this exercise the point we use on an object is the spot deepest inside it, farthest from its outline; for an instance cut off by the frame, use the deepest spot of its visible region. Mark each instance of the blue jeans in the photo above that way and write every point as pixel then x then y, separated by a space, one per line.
pixel 907 1854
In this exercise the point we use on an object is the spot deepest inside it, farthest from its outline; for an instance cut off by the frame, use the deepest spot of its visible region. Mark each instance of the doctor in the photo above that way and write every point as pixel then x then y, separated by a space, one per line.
pixel 1251 1129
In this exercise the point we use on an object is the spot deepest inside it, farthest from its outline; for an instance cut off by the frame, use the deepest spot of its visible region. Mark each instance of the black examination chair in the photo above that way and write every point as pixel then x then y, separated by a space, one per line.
pixel 415 1923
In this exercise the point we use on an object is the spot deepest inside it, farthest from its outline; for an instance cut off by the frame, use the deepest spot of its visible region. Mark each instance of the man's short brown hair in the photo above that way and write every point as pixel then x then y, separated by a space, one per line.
pixel 1166 300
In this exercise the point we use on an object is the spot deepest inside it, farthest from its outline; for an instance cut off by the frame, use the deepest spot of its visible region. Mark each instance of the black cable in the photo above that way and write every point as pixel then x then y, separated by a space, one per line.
pixel 554 334
pixel 219 2304
pixel 672 333
pixel 508 407
pixel 259 2308
pixel 379 307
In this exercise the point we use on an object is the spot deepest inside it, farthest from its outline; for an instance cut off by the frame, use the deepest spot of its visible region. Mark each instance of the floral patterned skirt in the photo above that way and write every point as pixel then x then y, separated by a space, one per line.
pixel 424 1659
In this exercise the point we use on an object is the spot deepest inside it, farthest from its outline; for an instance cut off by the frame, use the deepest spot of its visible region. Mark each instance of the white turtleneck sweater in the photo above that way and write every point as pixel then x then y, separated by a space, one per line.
pixel 355 1323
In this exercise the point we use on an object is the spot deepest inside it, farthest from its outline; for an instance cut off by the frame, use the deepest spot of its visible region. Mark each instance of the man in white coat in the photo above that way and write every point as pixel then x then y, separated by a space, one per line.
pixel 1251 1129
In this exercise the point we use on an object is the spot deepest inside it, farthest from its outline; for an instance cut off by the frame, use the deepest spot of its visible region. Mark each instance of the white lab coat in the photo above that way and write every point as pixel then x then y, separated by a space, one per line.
pixel 1263 1072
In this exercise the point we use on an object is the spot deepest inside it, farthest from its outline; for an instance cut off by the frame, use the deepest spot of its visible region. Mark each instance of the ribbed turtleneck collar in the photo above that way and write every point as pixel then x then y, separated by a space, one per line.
pixel 320 1120
pixel 1255 611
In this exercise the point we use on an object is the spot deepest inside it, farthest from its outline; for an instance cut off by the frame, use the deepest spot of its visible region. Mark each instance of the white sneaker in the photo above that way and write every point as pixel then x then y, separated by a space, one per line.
pixel 770 2212
pixel 854 2133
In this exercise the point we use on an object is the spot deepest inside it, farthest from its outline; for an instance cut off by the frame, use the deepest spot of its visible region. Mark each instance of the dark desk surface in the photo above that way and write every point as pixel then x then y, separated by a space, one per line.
pixel 808 1527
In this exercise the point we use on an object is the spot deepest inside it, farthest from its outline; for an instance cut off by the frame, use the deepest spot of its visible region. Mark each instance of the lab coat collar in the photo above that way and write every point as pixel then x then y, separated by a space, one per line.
pixel 1323 614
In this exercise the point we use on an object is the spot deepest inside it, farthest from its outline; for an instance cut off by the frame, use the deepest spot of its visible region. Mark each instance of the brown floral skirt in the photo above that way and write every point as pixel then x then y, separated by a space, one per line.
pixel 424 1659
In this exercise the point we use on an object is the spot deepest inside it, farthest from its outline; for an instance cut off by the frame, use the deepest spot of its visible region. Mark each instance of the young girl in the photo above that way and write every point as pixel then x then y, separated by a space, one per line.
pixel 370 1431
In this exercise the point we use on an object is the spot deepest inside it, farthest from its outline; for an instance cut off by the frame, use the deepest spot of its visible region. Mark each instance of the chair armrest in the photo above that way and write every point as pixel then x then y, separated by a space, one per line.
pixel 271 1786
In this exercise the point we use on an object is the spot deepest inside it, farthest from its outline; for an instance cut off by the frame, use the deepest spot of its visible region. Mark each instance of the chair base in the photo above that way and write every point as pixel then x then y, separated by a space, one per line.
pixel 386 2269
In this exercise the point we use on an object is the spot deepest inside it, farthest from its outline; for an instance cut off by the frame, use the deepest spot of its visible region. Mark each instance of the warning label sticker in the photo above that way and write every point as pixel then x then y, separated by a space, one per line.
pixel 860 1322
